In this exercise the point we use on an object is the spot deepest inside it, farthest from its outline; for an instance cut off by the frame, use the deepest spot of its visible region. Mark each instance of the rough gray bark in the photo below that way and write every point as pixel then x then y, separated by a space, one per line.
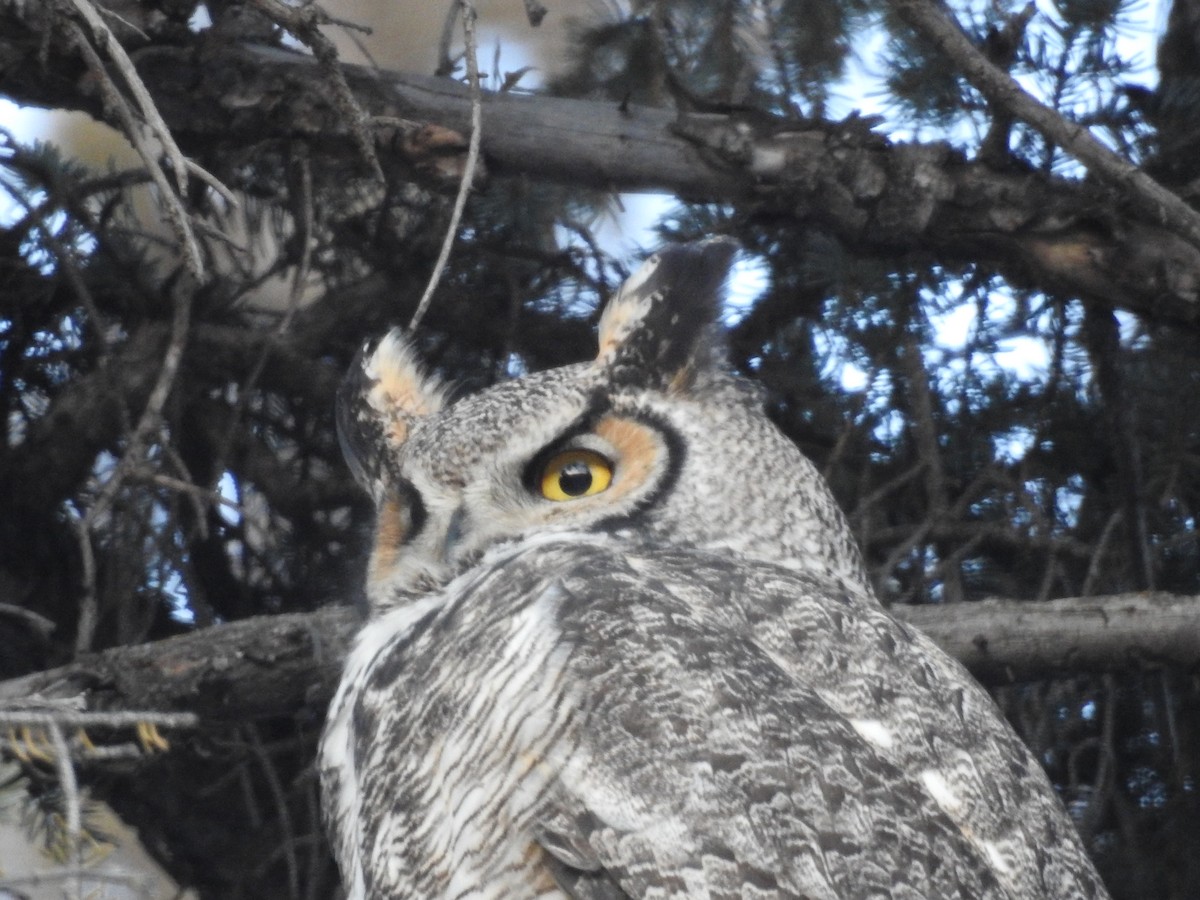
pixel 255 668
pixel 1078 238
pixel 1003 640
pixel 280 665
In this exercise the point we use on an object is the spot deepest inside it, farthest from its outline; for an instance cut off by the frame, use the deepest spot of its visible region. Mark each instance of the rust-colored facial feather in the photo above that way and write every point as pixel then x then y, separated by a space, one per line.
pixel 406 392
pixel 639 452
pixel 400 392
pixel 392 528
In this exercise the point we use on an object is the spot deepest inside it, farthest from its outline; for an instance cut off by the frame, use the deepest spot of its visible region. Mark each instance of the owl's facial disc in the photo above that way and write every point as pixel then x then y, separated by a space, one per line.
pixel 590 447
pixel 599 471
pixel 599 468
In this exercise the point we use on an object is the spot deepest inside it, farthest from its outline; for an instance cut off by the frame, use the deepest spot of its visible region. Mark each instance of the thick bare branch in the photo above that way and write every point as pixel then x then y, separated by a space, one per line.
pixel 1002 640
pixel 265 666
pixel 280 665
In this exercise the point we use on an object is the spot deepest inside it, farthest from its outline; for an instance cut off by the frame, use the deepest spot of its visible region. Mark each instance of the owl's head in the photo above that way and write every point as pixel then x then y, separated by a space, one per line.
pixel 653 440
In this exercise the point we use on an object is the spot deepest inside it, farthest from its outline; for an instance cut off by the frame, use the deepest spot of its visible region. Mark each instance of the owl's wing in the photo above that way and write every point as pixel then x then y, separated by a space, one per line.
pixel 922 712
pixel 704 768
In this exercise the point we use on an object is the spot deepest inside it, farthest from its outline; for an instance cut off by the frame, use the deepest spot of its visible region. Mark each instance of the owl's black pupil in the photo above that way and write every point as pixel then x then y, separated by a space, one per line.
pixel 575 478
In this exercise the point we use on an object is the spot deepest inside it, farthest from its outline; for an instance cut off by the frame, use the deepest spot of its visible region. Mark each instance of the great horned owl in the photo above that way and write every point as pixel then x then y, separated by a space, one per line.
pixel 621 645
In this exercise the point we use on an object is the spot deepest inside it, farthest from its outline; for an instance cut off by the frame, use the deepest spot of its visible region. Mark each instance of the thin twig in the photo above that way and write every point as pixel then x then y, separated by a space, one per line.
pixel 1048 576
pixel 281 806
pixel 172 457
pixel 312 801
pixel 213 182
pixel 946 569
pixel 124 21
pixel 59 874
pixel 89 614
pixel 115 104
pixel 1179 759
pixel 124 65
pixel 70 790
pixel 304 217
pixel 1101 791
pixel 194 490
pixel 43 717
pixel 464 187
pixel 35 621
pixel 867 503
pixel 307 226
pixel 1097 556
pixel 933 21
pixel 901 550
pixel 152 413
pixel 150 420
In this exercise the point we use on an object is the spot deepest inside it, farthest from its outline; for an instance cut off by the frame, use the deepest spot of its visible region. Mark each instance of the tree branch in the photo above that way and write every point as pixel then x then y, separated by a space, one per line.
pixel 255 668
pixel 1051 233
pixel 1149 197
pixel 289 664
pixel 1007 640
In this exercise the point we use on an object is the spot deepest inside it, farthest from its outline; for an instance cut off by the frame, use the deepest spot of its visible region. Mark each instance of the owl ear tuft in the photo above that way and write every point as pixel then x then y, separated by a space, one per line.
pixel 382 396
pixel 655 330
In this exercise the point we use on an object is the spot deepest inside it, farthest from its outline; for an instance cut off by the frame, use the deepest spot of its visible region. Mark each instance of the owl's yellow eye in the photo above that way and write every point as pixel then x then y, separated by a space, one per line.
pixel 575 473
